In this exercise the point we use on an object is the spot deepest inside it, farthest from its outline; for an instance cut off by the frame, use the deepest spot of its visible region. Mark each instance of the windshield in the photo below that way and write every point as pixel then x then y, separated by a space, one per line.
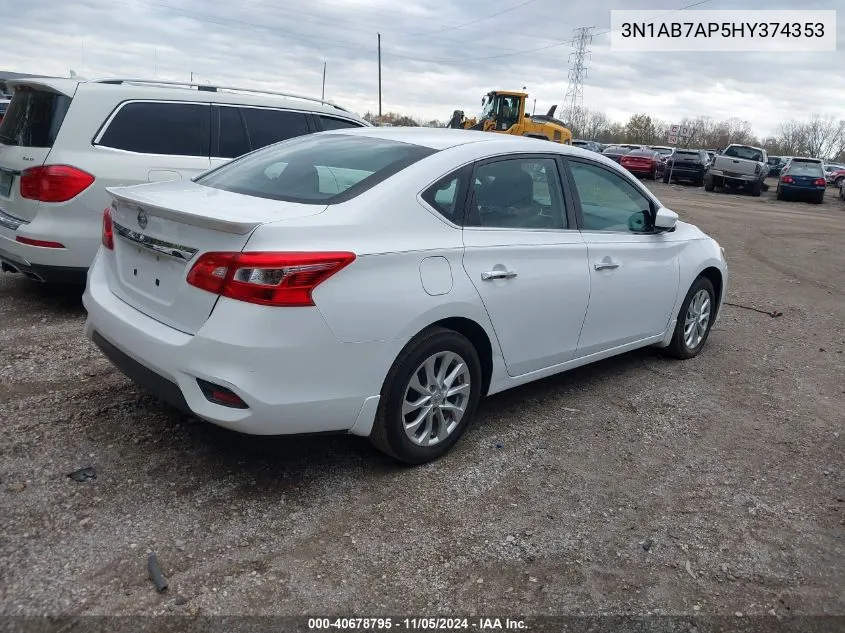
pixel 741 151
pixel 487 104
pixel 665 151
pixel 33 118
pixel 316 169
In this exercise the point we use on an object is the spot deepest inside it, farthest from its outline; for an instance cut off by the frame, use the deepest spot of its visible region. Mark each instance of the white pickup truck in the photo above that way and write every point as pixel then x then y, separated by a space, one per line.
pixel 738 166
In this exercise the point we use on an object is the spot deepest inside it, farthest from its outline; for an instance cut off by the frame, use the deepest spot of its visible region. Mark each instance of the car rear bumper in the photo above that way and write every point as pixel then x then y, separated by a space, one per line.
pixel 640 170
pixel 802 190
pixel 685 172
pixel 718 173
pixel 293 379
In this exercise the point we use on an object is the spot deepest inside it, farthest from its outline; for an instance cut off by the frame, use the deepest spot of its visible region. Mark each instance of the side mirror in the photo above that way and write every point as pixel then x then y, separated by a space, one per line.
pixel 665 219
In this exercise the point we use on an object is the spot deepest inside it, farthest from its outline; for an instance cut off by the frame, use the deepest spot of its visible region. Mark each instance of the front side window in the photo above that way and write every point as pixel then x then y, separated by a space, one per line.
pixel 315 169
pixel 266 126
pixel 176 129
pixel 519 193
pixel 608 201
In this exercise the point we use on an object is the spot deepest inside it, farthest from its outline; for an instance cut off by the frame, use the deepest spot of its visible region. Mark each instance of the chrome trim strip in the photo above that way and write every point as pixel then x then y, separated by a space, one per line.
pixel 10 221
pixel 185 253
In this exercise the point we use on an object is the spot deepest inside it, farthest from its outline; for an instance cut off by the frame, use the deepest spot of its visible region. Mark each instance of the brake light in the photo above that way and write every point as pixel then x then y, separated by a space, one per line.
pixel 786 179
pixel 820 182
pixel 108 230
pixel 54 183
pixel 267 278
pixel 42 243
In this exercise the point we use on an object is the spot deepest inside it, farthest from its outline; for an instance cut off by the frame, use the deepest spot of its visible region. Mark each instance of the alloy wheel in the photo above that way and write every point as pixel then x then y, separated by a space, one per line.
pixel 436 398
pixel 697 319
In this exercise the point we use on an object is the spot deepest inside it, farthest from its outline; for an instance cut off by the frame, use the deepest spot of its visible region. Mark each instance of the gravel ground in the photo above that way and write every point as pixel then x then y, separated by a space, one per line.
pixel 639 485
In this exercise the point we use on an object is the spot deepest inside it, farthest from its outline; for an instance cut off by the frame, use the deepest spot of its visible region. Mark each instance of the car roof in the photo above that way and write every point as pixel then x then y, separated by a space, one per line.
pixel 443 138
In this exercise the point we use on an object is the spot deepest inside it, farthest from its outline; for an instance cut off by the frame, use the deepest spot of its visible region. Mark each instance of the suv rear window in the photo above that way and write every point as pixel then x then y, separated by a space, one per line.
pixel 33 118
pixel 146 127
pixel 315 169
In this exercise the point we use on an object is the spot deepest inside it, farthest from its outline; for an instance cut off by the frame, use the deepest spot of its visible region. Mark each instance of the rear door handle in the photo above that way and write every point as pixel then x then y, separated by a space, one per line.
pixel 606 266
pixel 497 274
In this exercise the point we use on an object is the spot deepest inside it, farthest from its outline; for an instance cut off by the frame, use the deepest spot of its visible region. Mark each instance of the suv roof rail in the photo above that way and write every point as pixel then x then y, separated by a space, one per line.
pixel 209 88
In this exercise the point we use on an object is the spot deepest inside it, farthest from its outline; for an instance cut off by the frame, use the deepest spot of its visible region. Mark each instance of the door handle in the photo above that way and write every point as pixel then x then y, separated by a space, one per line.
pixel 497 274
pixel 606 266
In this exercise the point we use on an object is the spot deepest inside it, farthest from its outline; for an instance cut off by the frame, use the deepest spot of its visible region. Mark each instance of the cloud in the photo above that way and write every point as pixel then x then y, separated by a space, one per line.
pixel 425 48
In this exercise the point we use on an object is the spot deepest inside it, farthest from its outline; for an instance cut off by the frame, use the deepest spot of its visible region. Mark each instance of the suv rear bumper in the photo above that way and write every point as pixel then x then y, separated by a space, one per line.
pixel 38 272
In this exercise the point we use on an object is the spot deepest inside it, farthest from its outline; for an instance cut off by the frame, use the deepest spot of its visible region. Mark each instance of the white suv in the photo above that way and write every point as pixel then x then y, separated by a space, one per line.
pixel 64 141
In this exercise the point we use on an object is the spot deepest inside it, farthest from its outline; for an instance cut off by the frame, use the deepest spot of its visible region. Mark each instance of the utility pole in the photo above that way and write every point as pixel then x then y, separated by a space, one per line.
pixel 379 77
pixel 323 97
pixel 574 99
pixel 192 76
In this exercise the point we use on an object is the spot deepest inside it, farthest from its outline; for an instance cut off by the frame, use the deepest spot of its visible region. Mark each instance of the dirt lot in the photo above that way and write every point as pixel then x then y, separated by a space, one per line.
pixel 638 485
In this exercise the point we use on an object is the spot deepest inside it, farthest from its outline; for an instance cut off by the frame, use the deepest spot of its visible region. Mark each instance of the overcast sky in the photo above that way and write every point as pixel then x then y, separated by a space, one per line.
pixel 427 52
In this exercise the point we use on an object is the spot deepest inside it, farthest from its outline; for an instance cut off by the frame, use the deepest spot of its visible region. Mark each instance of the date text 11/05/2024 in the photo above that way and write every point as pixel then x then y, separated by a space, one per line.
pixel 417 624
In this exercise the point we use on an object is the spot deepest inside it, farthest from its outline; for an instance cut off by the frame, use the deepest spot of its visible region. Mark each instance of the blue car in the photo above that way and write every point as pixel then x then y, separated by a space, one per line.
pixel 802 178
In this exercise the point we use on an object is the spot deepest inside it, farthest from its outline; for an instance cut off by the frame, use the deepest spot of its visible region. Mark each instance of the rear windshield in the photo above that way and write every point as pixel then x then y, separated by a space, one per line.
pixel 748 153
pixel 617 149
pixel 33 118
pixel 687 152
pixel 805 168
pixel 315 169
pixel 641 152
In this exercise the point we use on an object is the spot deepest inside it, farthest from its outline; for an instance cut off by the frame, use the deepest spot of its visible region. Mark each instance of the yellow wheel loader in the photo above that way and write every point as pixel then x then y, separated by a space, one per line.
pixel 504 112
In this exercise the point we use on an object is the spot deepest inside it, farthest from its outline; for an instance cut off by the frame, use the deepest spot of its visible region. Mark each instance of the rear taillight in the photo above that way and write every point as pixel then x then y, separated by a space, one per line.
pixel 40 243
pixel 108 230
pixel 786 179
pixel 820 182
pixel 271 279
pixel 54 183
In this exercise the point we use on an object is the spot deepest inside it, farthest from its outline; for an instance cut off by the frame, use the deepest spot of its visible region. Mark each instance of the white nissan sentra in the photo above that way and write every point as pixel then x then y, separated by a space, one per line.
pixel 380 281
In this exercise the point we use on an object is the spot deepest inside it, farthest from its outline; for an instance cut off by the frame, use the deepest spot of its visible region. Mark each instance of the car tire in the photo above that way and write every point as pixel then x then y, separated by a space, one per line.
pixel 818 198
pixel 666 177
pixel 421 360
pixel 779 194
pixel 709 184
pixel 757 189
pixel 838 181
pixel 687 343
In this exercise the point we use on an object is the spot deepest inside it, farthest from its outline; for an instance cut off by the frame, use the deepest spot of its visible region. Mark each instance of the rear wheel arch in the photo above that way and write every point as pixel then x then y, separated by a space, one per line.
pixel 480 341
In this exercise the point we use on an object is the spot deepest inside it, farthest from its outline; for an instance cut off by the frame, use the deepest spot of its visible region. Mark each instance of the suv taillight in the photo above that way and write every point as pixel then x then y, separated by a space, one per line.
pixel 54 183
pixel 271 279
pixel 108 230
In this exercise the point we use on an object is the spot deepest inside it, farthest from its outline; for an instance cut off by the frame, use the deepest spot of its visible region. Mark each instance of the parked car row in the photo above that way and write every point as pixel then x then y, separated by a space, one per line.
pixel 343 281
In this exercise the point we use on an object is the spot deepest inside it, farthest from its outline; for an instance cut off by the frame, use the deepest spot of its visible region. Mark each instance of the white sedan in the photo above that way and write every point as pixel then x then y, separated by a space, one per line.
pixel 380 281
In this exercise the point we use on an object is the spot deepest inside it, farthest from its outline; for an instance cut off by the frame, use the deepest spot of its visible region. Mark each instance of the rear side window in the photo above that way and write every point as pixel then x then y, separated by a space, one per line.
pixel 447 196
pixel 177 129
pixel 331 123
pixel 33 118
pixel 233 141
pixel 266 126
pixel 315 169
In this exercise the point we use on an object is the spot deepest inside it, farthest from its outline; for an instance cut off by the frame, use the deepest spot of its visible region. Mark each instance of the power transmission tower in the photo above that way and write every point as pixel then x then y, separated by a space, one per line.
pixel 574 99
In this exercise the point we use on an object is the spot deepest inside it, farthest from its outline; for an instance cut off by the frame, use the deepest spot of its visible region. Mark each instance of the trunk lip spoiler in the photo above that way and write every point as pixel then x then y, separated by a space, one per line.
pixel 139 202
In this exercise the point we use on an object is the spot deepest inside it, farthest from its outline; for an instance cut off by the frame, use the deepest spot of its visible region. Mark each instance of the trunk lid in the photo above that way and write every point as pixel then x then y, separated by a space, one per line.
pixel 161 230
pixel 27 133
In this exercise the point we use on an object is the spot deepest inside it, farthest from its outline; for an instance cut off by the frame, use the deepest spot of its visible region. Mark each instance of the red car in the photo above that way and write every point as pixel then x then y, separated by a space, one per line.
pixel 644 162
pixel 837 177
